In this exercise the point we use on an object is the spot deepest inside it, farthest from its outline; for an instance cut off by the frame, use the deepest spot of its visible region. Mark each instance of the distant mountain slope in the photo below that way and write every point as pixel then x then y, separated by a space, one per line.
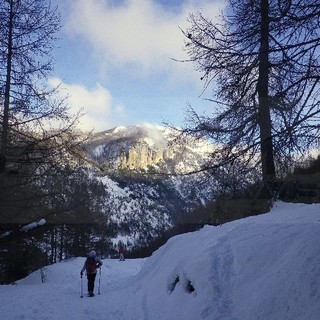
pixel 142 170
pixel 143 147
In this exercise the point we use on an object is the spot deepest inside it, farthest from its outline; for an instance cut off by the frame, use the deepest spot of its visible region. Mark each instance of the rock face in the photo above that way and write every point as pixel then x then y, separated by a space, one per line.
pixel 144 147
pixel 141 156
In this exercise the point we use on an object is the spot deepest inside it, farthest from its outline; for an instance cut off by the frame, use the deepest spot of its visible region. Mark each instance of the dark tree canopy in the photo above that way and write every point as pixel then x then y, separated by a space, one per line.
pixel 262 62
pixel 42 177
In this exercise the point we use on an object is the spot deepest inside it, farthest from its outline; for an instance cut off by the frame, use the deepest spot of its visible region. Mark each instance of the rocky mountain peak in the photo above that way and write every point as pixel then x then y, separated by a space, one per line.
pixel 142 147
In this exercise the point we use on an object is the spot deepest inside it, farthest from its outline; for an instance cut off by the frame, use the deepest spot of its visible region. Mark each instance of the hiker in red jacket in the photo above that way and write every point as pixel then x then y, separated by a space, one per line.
pixel 121 253
pixel 91 265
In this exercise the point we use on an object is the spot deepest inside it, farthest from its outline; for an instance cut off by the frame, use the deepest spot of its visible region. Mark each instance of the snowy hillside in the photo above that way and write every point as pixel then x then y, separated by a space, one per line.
pixel 135 165
pixel 259 268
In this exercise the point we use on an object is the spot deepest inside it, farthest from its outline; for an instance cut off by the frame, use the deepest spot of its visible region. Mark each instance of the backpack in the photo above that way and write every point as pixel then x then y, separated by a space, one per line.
pixel 91 265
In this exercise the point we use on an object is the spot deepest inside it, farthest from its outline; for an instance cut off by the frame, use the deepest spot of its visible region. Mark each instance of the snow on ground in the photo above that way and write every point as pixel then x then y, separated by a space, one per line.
pixel 259 268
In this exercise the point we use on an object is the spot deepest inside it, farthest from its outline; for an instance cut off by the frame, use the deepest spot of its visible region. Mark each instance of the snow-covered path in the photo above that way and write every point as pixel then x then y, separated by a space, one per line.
pixel 259 268
pixel 59 297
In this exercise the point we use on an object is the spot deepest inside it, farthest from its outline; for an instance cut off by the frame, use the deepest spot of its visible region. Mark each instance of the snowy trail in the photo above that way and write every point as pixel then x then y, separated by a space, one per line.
pixel 265 267
pixel 59 298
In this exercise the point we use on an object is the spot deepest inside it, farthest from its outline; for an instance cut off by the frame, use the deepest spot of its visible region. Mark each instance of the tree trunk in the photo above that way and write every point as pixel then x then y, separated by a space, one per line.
pixel 267 159
pixel 5 121
pixel 61 242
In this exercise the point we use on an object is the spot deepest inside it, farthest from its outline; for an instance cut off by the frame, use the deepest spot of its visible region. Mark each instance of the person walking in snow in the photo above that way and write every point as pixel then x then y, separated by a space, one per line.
pixel 91 265
pixel 121 253
pixel 121 250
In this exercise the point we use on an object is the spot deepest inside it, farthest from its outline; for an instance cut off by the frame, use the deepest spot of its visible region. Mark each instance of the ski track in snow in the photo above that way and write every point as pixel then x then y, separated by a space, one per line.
pixel 222 281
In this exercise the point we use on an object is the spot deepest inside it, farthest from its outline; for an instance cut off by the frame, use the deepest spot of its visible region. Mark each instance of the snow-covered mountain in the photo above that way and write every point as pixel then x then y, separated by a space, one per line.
pixel 148 148
pixel 142 168
pixel 259 268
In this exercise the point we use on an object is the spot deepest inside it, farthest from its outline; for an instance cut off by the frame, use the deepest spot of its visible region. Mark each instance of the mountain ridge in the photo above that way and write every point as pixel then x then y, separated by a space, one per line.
pixel 143 168
pixel 139 146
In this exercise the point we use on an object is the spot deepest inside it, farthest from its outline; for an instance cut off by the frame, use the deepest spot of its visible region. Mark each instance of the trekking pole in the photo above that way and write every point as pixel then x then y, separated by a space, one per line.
pixel 81 294
pixel 99 292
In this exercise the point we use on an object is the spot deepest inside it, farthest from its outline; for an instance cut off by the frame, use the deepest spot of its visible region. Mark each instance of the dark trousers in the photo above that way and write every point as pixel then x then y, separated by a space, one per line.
pixel 91 278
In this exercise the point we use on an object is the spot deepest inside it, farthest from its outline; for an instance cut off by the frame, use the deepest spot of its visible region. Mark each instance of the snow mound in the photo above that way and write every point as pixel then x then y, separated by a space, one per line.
pixel 264 267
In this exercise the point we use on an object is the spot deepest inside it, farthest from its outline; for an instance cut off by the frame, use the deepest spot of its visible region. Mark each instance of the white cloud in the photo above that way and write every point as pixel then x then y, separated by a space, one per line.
pixel 137 33
pixel 96 104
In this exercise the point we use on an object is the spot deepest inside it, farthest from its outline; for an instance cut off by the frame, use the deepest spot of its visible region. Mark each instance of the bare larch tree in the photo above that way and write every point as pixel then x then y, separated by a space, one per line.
pixel 261 60
pixel 28 30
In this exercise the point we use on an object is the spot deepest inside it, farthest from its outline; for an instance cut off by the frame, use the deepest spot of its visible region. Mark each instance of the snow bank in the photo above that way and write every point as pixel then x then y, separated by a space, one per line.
pixel 258 268
pixel 34 225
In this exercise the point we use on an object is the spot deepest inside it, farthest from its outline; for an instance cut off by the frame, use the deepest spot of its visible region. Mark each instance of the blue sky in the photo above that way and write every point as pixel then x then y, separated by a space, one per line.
pixel 113 58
